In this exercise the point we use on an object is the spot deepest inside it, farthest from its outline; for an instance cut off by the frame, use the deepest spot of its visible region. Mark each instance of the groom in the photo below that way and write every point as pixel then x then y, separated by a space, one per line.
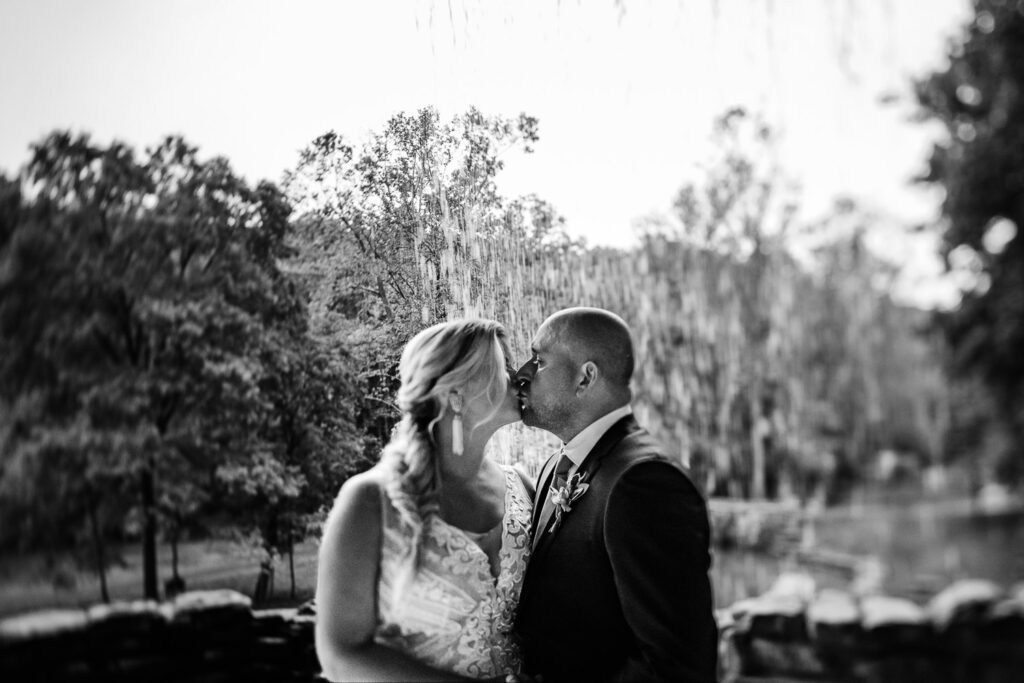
pixel 617 588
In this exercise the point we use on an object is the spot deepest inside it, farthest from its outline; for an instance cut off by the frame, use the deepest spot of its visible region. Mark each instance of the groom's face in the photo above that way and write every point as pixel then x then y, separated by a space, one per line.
pixel 547 382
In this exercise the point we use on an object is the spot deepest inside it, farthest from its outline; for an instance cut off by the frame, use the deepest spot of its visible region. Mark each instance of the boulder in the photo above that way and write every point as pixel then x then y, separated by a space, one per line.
pixel 834 625
pixel 308 608
pixel 964 602
pixel 774 617
pixel 219 617
pixel 1003 626
pixel 833 614
pixel 893 623
pixel 42 624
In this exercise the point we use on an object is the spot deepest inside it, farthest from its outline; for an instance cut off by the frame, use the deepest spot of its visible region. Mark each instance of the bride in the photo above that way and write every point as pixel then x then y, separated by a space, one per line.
pixel 422 557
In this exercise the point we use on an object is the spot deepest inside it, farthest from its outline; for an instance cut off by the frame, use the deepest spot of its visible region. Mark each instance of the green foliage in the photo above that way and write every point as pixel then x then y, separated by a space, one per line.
pixel 979 100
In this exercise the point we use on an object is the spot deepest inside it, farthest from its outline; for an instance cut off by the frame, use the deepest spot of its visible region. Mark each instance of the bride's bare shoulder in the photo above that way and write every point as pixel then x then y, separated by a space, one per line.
pixel 360 495
pixel 376 476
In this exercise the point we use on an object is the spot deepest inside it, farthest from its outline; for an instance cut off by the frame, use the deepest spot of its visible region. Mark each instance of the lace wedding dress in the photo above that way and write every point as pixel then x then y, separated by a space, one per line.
pixel 455 616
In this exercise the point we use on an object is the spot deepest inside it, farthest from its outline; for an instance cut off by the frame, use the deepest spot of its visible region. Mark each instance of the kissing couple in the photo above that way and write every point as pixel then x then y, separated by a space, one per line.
pixel 441 564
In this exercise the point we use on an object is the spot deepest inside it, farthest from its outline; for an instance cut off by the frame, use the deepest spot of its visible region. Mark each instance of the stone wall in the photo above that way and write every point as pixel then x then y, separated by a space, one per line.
pixel 972 631
pixel 206 637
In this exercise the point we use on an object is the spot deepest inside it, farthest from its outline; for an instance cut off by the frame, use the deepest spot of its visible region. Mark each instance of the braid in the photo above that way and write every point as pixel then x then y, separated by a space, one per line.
pixel 436 362
pixel 413 483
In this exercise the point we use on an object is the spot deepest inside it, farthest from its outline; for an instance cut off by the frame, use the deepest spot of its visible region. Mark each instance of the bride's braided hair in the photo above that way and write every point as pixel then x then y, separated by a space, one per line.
pixel 438 360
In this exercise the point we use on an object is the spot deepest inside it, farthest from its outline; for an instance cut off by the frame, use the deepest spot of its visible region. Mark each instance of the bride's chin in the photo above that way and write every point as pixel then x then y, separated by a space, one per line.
pixel 512 419
pixel 511 416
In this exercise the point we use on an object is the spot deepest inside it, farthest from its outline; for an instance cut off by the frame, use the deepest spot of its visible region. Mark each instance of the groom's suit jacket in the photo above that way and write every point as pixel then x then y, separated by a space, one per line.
pixel 620 591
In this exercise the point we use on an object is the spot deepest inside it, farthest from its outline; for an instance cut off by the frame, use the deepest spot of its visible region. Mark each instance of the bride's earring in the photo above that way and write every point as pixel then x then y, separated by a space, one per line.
pixel 455 401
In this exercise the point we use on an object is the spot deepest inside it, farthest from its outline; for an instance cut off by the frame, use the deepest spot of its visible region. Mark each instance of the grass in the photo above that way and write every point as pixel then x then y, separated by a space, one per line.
pixel 921 548
pixel 30 582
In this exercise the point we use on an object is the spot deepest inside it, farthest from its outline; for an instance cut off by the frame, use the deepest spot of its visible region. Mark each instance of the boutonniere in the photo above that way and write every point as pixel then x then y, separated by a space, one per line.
pixel 564 496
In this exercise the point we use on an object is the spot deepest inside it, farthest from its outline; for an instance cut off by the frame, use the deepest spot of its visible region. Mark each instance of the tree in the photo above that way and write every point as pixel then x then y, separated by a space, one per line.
pixel 142 316
pixel 308 426
pixel 979 100
pixel 741 210
pixel 387 233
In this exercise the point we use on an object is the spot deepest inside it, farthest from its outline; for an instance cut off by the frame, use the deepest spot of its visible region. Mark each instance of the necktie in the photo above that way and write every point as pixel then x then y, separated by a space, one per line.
pixel 562 469
pixel 559 479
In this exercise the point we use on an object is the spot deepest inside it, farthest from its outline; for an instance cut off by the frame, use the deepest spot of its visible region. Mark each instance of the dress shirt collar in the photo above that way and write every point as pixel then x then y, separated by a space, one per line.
pixel 580 445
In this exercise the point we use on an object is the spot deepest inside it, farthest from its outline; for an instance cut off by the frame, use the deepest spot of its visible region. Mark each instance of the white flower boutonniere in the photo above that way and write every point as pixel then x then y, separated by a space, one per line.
pixel 564 496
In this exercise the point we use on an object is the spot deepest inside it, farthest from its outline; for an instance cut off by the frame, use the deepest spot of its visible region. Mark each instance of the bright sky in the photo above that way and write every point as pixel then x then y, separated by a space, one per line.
pixel 625 92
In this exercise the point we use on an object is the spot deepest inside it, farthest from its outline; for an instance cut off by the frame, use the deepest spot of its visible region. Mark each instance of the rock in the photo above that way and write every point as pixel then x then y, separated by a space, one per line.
pixel 880 611
pixel 834 607
pixel 127 628
pixel 774 617
pixel 45 645
pixel 42 624
pixel 833 613
pixel 834 625
pixel 900 667
pixel 217 611
pixel 787 658
pixel 134 615
pixel 214 598
pixel 1004 623
pixel 965 601
pixel 270 621
pixel 282 613
pixel 1009 608
pixel 892 624
pixel 302 626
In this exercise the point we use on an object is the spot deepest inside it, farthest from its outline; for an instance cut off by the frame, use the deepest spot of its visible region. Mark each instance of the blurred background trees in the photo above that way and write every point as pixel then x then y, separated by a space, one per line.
pixel 183 354
pixel 385 235
pixel 155 359
pixel 979 100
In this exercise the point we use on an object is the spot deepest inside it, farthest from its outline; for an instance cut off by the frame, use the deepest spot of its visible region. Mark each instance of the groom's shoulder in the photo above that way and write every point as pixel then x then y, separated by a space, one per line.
pixel 636 447
pixel 639 451
pixel 637 442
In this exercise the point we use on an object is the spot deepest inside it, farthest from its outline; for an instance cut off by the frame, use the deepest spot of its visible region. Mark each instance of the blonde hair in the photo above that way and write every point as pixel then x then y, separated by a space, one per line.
pixel 441 359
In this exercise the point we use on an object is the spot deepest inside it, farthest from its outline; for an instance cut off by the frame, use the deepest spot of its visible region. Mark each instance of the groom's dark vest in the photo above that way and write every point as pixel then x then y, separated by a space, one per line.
pixel 620 590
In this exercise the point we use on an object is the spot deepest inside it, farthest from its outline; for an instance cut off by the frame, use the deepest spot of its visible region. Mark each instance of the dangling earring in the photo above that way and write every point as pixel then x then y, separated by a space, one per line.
pixel 455 401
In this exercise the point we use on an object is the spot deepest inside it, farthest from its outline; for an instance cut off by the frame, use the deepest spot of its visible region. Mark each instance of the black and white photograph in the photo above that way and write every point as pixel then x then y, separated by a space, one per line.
pixel 523 342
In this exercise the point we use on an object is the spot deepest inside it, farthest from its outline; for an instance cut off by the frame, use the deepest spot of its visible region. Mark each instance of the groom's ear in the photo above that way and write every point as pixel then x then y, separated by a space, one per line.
pixel 588 376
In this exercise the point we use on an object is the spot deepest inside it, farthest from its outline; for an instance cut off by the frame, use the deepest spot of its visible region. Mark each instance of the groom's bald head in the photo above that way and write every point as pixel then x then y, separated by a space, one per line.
pixel 599 336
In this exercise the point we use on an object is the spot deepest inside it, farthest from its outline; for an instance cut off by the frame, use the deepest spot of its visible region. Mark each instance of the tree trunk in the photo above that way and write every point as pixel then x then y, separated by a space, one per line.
pixel 757 465
pixel 174 556
pixel 175 585
pixel 149 569
pixel 101 562
pixel 291 562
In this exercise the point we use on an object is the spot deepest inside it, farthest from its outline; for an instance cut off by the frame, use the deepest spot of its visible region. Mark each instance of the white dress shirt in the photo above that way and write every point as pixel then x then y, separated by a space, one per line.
pixel 581 444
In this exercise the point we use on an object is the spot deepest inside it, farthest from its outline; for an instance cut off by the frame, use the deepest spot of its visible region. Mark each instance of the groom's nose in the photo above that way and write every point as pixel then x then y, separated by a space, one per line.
pixel 524 375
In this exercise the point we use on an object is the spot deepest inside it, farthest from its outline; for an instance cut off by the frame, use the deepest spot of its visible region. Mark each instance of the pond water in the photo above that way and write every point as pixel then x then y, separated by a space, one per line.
pixel 911 551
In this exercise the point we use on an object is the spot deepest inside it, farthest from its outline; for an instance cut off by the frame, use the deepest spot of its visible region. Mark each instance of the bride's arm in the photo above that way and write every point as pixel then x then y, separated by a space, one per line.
pixel 346 590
